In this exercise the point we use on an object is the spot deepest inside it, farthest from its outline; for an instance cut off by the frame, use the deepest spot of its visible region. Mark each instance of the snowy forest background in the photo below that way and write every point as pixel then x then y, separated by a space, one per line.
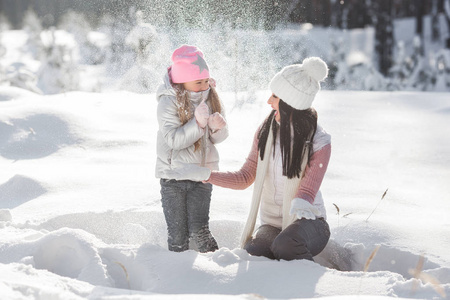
pixel 105 45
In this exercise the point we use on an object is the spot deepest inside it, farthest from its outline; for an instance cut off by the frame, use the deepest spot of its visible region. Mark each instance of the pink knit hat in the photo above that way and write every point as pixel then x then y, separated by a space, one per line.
pixel 188 65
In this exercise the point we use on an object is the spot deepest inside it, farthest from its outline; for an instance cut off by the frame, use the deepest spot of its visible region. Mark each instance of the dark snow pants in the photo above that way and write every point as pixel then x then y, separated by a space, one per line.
pixel 303 239
pixel 186 210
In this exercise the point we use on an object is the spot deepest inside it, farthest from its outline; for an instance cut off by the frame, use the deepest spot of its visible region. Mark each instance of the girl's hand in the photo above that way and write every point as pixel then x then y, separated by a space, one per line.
pixel 202 114
pixel 216 121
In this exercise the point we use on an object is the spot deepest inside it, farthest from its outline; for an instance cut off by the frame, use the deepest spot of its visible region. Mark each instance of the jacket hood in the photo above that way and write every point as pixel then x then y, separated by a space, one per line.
pixel 166 88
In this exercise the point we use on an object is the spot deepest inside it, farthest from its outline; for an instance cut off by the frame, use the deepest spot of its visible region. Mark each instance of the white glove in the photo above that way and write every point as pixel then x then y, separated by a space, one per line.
pixel 188 172
pixel 303 209
pixel 216 121
pixel 202 114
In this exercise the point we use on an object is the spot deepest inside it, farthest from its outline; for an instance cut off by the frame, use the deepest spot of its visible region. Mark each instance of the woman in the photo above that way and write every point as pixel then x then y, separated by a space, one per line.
pixel 287 163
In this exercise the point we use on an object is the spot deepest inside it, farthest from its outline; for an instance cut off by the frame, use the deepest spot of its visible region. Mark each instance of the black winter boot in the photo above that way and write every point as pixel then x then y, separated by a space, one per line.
pixel 204 240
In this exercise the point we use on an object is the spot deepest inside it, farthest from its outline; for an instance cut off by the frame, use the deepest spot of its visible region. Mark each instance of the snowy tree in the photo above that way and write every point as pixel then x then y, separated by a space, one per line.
pixel 3 79
pixel 143 38
pixel 59 70
pixel 356 72
pixel 412 72
pixel 443 71
pixel 19 75
pixel 32 25
pixel 119 56
pixel 384 34
pixel 402 67
pixel 421 77
pixel 368 77
pixel 420 7
pixel 92 44
pixel 435 27
pixel 4 23
pixel 447 17
pixel 443 58
pixel 97 46
pixel 76 24
pixel 338 70
pixel 3 27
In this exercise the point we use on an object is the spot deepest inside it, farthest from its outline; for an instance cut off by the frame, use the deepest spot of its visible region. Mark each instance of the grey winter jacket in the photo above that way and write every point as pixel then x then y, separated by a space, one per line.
pixel 175 142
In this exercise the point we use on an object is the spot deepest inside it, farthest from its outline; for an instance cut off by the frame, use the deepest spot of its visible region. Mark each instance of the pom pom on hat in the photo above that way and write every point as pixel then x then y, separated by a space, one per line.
pixel 297 85
pixel 316 68
pixel 188 65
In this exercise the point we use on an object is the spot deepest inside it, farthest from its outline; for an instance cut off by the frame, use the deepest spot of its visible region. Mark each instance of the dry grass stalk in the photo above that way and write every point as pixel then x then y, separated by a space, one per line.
pixel 415 272
pixel 426 278
pixel 368 262
pixel 338 210
pixel 371 257
pixel 126 273
pixel 382 197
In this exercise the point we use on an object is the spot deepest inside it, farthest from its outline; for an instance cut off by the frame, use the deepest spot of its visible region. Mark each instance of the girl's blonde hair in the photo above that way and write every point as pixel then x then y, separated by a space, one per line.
pixel 186 108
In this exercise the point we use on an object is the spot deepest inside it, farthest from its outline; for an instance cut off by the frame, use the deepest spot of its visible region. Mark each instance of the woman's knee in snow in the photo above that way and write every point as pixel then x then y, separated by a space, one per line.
pixel 287 247
pixel 259 247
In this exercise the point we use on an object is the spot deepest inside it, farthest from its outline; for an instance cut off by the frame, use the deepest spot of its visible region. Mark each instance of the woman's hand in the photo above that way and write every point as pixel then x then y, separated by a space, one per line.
pixel 303 209
pixel 216 121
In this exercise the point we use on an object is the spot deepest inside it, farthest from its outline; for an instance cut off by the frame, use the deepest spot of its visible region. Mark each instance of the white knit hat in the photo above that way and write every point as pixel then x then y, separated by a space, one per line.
pixel 297 85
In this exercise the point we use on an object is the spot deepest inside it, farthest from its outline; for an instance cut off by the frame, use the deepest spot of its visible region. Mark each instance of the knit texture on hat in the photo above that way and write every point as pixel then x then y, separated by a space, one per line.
pixel 188 65
pixel 297 85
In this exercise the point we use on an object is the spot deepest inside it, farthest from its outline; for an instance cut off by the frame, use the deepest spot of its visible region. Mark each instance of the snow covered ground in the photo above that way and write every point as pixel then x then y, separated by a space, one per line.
pixel 80 213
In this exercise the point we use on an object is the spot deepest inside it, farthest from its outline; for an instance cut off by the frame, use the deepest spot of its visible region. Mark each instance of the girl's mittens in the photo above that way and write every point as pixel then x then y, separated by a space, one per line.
pixel 216 121
pixel 202 114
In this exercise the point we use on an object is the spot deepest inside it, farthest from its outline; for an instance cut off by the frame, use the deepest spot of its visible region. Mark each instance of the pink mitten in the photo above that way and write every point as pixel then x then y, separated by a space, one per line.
pixel 216 121
pixel 202 114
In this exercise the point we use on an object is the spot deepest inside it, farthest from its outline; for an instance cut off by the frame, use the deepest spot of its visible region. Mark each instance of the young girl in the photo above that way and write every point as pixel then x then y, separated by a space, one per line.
pixel 287 163
pixel 191 121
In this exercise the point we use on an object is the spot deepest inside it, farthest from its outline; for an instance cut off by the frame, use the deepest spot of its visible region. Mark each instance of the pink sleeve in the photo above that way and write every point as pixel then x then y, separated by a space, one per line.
pixel 243 178
pixel 314 174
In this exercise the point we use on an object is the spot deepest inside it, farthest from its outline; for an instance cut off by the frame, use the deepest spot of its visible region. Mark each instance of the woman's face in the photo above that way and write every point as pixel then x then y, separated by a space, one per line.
pixel 274 101
pixel 197 85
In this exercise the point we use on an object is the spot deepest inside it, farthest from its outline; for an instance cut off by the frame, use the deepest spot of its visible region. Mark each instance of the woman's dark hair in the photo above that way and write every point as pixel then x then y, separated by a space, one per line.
pixel 297 129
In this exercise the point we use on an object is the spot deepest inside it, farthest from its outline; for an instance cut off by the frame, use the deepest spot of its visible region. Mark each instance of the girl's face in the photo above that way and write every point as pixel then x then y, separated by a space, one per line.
pixel 274 101
pixel 197 85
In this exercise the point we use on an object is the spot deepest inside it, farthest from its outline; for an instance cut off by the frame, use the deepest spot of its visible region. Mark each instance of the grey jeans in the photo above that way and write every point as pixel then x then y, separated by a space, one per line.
pixel 303 239
pixel 186 210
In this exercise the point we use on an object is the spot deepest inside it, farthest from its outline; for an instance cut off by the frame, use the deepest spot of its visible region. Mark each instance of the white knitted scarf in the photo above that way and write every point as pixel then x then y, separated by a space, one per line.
pixel 290 189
